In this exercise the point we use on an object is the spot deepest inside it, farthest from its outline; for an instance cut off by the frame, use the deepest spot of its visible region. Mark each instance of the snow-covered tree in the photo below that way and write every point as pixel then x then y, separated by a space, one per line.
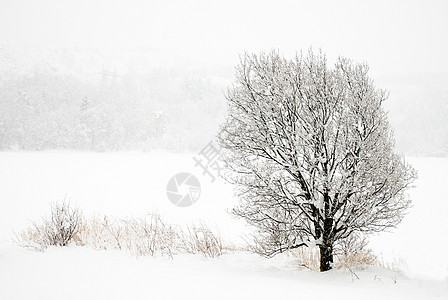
pixel 311 153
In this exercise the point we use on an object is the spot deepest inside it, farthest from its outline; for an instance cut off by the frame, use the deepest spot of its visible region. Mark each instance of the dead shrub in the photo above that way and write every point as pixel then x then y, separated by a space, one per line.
pixel 152 236
pixel 57 229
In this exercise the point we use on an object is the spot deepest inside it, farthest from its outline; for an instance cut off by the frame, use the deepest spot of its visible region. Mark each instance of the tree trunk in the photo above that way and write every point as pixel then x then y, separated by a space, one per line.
pixel 326 257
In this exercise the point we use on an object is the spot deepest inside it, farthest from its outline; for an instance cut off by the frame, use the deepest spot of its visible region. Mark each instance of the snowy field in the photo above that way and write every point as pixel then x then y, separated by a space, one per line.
pixel 131 184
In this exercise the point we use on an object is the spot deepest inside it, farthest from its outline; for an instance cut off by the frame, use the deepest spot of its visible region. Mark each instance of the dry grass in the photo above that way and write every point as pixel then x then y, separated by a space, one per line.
pixel 146 236
pixel 201 239
pixel 361 259
pixel 149 236
pixel 310 259
pixel 152 236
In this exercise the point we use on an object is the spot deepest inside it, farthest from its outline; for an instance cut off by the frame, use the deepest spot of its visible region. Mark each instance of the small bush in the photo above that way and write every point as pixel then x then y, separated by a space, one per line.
pixel 151 236
pixel 57 229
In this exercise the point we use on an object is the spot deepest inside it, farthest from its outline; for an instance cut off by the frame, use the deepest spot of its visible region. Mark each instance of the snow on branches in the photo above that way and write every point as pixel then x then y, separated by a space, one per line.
pixel 311 152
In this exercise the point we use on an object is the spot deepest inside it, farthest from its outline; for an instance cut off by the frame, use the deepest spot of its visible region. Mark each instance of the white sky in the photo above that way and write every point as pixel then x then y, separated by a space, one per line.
pixel 392 36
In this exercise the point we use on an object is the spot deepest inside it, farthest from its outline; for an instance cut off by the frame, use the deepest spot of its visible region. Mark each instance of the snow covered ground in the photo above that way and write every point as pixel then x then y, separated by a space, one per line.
pixel 81 273
pixel 130 184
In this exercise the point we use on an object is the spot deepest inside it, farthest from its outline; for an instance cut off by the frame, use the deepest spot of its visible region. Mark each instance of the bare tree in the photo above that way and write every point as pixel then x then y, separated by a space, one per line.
pixel 310 151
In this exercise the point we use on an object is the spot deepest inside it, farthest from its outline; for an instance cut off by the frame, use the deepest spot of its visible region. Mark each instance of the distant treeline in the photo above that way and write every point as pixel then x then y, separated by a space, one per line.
pixel 160 110
pixel 170 110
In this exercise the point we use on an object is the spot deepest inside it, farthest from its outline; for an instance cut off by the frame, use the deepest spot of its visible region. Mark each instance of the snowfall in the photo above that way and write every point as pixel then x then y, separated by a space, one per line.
pixel 132 184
